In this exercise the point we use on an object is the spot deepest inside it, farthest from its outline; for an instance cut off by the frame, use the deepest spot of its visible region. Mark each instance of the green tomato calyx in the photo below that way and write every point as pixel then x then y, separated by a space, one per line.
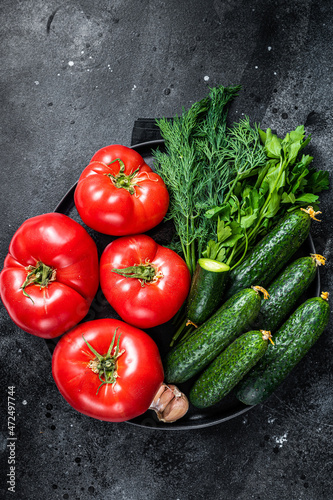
pixel 145 273
pixel 40 275
pixel 106 366
pixel 122 180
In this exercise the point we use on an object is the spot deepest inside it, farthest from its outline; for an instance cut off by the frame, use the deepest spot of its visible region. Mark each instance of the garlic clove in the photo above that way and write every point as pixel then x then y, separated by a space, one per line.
pixel 169 403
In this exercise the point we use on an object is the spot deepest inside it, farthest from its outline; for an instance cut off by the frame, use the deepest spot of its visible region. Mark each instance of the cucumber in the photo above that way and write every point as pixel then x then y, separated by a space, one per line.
pixel 193 354
pixel 207 288
pixel 286 290
pixel 229 368
pixel 291 342
pixel 272 253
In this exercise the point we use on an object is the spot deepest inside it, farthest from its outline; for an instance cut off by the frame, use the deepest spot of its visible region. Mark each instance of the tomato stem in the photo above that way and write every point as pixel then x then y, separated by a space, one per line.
pixel 106 366
pixel 122 180
pixel 145 273
pixel 40 274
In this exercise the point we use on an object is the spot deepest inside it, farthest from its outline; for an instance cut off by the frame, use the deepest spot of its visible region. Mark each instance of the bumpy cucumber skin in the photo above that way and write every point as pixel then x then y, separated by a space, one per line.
pixel 292 341
pixel 271 254
pixel 205 295
pixel 284 293
pixel 224 373
pixel 191 356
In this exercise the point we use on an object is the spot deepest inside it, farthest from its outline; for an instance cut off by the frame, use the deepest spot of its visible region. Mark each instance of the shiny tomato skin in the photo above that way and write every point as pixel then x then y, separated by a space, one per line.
pixel 140 370
pixel 150 304
pixel 114 210
pixel 63 244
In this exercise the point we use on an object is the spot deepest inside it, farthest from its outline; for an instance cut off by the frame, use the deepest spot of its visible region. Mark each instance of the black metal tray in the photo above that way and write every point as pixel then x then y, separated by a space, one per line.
pixel 230 407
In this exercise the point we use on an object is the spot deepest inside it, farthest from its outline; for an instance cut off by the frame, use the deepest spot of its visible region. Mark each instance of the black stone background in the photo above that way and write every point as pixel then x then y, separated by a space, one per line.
pixel 75 75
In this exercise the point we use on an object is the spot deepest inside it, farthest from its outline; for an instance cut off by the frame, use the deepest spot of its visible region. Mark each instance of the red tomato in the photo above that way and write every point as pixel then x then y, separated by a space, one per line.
pixel 133 370
pixel 119 194
pixel 50 275
pixel 152 284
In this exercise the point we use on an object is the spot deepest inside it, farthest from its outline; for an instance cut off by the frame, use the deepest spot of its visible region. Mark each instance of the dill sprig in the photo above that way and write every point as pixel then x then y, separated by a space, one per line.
pixel 245 156
pixel 194 169
pixel 244 153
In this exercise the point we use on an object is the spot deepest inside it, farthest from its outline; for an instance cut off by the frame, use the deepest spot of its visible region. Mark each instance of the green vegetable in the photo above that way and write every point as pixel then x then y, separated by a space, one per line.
pixel 272 253
pixel 206 289
pixel 291 342
pixel 229 368
pixel 286 290
pixel 193 354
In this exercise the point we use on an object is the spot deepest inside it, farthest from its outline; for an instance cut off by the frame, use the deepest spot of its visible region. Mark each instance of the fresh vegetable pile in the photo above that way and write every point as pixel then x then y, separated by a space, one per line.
pixel 231 285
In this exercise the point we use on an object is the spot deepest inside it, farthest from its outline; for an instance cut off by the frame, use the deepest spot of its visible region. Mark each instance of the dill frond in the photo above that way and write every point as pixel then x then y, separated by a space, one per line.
pixel 194 169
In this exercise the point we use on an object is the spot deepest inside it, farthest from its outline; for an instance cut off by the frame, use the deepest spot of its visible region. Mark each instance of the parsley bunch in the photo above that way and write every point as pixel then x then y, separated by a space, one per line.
pixel 254 204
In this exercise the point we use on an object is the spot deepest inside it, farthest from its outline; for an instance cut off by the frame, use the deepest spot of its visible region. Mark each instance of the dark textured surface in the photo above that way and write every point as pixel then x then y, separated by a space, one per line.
pixel 75 76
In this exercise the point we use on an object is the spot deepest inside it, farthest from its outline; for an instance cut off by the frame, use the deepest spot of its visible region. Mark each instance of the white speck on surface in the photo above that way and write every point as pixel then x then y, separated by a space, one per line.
pixel 256 67
pixel 70 63
pixel 24 402
pixel 275 73
pixel 269 48
pixel 206 78
pixel 134 87
pixel 82 51
pixel 271 420
pixel 282 439
pixel 36 82
pixel 58 74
